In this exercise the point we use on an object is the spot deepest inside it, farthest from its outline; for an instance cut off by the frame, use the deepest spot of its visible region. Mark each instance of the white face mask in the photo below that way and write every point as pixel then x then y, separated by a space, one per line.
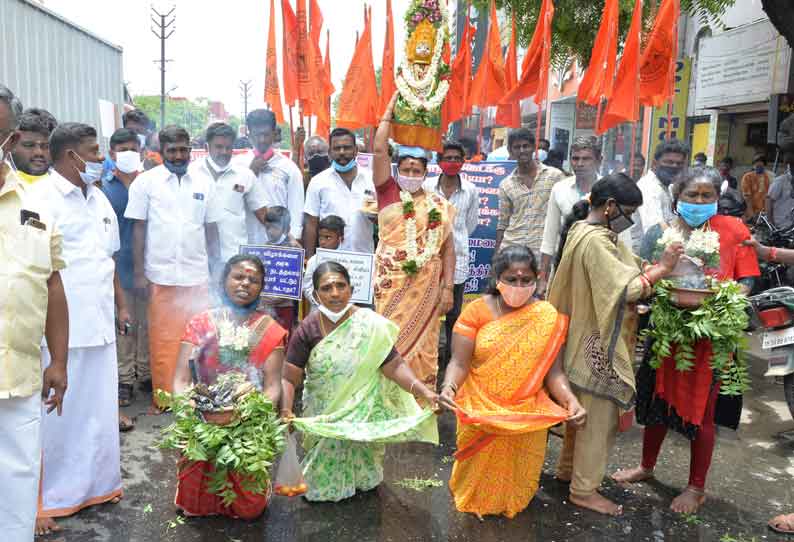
pixel 541 155
pixel 410 184
pixel 128 161
pixel 92 173
pixel 331 315
pixel 218 168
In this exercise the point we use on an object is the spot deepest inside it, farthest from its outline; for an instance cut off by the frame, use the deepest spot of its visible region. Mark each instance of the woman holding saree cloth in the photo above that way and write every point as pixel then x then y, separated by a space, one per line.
pixel 358 394
pixel 415 258
pixel 597 284
pixel 504 365
pixel 241 283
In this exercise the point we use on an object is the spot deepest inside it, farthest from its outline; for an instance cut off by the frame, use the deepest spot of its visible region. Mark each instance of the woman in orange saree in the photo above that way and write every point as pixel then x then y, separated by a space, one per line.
pixel 415 259
pixel 504 366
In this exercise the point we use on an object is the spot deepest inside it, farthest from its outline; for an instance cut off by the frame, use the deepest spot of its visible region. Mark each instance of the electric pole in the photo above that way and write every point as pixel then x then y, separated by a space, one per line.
pixel 245 93
pixel 161 30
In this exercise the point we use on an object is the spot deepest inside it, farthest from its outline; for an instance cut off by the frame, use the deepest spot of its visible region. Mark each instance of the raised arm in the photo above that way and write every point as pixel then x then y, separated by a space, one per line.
pixel 381 167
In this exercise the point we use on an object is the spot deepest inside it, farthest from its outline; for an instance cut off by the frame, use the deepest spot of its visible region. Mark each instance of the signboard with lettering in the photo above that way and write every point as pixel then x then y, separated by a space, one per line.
pixel 486 176
pixel 361 267
pixel 678 118
pixel 283 268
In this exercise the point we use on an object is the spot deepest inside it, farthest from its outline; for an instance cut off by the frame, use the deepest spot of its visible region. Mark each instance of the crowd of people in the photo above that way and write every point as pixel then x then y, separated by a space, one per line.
pixel 120 267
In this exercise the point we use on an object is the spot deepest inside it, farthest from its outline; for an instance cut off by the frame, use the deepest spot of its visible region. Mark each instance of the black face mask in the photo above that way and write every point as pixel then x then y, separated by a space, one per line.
pixel 667 174
pixel 318 163
pixel 620 223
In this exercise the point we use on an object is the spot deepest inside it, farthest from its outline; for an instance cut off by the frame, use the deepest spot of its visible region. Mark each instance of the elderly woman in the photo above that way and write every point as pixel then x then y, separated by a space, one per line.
pixel 597 284
pixel 241 283
pixel 415 259
pixel 504 365
pixel 689 401
pixel 357 392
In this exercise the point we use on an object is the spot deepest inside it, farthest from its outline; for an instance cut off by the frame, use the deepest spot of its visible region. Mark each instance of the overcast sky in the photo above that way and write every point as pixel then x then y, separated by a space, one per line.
pixel 219 43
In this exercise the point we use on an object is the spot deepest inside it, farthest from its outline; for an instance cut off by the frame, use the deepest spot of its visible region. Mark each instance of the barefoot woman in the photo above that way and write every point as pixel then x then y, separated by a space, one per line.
pixel 598 280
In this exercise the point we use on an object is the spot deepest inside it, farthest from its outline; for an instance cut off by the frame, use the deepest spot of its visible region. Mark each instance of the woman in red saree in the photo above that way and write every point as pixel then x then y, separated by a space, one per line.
pixel 241 284
pixel 690 401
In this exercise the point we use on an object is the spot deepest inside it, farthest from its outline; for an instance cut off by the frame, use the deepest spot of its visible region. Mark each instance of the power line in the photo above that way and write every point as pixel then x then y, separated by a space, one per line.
pixel 162 31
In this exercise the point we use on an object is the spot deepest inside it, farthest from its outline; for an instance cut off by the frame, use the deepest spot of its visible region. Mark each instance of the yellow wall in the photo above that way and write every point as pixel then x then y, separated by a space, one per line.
pixel 700 138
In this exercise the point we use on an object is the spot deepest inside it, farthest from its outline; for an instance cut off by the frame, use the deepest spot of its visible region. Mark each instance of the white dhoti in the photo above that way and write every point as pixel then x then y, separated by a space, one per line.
pixel 20 464
pixel 81 451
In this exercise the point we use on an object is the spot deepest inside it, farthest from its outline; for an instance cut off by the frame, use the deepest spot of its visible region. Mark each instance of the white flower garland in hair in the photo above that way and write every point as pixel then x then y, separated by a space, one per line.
pixel 416 260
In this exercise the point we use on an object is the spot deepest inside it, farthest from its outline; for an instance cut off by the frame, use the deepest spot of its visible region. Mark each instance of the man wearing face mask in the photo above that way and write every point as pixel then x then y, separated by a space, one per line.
pixel 138 123
pixel 755 186
pixel 340 190
pixel 174 238
pixel 81 451
pixel 316 159
pixel 236 190
pixel 524 195
pixel 31 156
pixel 668 162
pixel 465 198
pixel 132 340
pixel 544 146
pixel 281 178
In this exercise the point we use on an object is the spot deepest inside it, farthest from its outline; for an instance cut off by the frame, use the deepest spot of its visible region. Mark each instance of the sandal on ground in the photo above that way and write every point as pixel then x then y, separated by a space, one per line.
pixel 783 524
pixel 125 423
pixel 125 395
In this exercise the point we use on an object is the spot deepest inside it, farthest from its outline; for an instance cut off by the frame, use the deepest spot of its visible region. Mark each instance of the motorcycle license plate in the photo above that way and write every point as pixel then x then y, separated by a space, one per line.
pixel 779 337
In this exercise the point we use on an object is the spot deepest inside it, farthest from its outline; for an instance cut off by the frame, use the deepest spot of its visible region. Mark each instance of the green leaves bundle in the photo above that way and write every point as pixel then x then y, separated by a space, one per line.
pixel 721 319
pixel 246 447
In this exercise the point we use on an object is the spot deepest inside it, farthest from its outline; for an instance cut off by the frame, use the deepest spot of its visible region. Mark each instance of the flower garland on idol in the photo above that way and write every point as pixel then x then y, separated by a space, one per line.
pixel 415 259
pixel 419 92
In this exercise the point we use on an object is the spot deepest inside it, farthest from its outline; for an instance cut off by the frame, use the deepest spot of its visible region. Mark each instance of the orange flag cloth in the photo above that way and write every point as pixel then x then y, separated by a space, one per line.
pixel 488 86
pixel 387 84
pixel 305 61
pixel 457 104
pixel 509 114
pixel 318 76
pixel 359 102
pixel 657 67
pixel 290 53
pixel 272 91
pixel 599 79
pixel 535 69
pixel 624 105
pixel 323 129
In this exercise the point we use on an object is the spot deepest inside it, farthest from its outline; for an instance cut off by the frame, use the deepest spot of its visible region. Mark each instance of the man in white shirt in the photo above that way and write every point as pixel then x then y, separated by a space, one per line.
pixel 585 162
pixel 174 237
pixel 340 190
pixel 281 178
pixel 465 198
pixel 81 452
pixel 237 193
pixel 669 161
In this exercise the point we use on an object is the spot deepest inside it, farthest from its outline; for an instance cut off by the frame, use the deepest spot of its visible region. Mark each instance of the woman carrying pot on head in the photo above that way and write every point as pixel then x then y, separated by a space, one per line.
pixel 358 393
pixel 504 366
pixel 690 401
pixel 241 283
pixel 415 259
pixel 597 284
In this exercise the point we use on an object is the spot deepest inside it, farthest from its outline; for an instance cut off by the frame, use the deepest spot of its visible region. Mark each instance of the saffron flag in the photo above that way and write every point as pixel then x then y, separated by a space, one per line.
pixel 624 104
pixel 599 79
pixel 387 84
pixel 488 86
pixel 318 75
pixel 457 104
pixel 289 53
pixel 359 102
pixel 509 114
pixel 324 128
pixel 305 60
pixel 272 91
pixel 535 68
pixel 658 63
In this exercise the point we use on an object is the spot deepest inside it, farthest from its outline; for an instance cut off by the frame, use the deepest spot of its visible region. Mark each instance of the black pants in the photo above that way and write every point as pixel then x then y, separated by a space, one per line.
pixel 450 319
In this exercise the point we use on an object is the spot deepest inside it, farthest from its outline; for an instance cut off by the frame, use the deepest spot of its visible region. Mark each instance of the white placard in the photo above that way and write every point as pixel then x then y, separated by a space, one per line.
pixel 361 267
pixel 742 65
pixel 107 118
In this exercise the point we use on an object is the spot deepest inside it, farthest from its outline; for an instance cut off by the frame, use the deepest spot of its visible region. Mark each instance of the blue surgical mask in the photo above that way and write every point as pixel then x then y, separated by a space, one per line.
pixel 93 171
pixel 178 169
pixel 344 169
pixel 695 214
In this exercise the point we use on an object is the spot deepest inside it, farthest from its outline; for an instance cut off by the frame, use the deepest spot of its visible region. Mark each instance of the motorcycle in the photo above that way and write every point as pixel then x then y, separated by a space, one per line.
pixel 773 274
pixel 773 313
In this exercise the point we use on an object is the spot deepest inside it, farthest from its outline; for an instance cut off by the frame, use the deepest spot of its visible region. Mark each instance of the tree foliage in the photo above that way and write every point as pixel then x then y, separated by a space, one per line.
pixel 192 115
pixel 576 22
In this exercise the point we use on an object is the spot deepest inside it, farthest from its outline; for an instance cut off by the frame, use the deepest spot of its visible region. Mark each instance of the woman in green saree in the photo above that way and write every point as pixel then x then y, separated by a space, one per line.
pixel 358 393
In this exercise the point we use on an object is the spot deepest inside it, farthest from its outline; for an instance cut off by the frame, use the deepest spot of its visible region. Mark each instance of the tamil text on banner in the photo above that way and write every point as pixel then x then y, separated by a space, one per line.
pixel 361 267
pixel 486 176
pixel 283 269
pixel 678 118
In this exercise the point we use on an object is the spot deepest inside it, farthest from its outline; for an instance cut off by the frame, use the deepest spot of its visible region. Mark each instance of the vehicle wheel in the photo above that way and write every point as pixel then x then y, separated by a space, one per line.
pixel 788 387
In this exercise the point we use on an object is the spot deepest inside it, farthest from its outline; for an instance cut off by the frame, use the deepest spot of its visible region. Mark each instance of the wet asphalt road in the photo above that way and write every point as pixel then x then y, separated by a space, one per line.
pixel 751 479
